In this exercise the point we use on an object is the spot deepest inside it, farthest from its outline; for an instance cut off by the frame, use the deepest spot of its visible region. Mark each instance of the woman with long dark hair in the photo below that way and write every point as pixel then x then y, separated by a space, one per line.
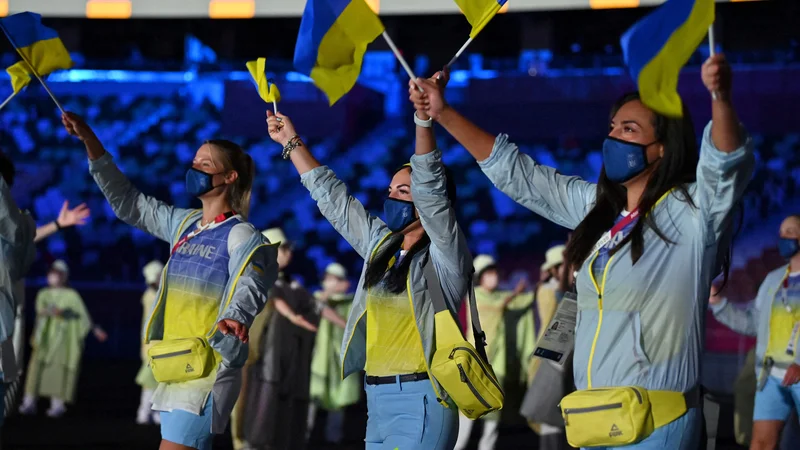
pixel 647 241
pixel 214 283
pixel 390 331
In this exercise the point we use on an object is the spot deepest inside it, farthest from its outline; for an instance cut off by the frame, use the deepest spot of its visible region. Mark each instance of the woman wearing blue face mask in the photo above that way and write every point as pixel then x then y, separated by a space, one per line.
pixel 390 331
pixel 647 242
pixel 774 317
pixel 213 285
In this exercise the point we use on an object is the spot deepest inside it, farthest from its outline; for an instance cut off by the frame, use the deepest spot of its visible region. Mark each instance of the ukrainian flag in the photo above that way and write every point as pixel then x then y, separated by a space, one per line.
pixel 36 43
pixel 479 12
pixel 20 76
pixel 268 91
pixel 333 38
pixel 656 47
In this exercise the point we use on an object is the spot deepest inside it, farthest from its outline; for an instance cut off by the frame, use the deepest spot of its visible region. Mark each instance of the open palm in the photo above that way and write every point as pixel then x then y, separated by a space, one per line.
pixel 76 216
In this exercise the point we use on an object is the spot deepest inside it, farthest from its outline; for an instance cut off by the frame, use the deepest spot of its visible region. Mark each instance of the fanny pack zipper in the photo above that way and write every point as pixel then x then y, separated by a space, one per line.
pixel 475 392
pixel 179 352
pixel 480 362
pixel 589 409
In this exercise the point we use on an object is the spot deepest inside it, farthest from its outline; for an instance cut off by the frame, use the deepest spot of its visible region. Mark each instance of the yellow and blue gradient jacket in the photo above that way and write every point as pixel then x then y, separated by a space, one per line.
pixel 448 252
pixel 648 330
pixel 203 271
pixel 756 319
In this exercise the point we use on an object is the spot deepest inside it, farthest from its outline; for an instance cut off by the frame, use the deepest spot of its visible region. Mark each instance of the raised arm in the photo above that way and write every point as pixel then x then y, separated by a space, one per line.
pixel 66 218
pixel 743 320
pixel 561 199
pixel 726 154
pixel 129 205
pixel 347 215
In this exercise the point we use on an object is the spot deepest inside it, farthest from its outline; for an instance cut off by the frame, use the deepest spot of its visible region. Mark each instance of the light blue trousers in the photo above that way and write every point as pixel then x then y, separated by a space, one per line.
pixel 406 416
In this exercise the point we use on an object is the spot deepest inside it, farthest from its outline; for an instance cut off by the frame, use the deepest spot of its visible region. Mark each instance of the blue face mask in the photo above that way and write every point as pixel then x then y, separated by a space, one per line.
pixel 398 214
pixel 623 160
pixel 788 247
pixel 198 182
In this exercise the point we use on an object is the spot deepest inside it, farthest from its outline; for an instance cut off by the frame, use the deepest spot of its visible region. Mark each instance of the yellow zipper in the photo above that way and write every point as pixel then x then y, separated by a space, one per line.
pixel 599 290
pixel 424 357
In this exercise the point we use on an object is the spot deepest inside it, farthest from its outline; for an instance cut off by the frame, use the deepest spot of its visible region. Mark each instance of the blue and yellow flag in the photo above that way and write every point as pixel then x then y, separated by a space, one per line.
pixel 657 47
pixel 479 12
pixel 38 44
pixel 20 76
pixel 268 91
pixel 333 38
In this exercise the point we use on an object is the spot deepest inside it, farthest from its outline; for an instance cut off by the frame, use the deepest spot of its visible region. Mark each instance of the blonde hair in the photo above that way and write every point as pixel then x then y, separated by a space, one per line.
pixel 234 158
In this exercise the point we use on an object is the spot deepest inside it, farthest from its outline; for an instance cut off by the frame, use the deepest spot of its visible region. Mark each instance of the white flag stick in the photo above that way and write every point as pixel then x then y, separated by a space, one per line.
pixel 401 59
pixel 275 107
pixel 712 50
pixel 459 52
pixel 5 102
pixel 33 70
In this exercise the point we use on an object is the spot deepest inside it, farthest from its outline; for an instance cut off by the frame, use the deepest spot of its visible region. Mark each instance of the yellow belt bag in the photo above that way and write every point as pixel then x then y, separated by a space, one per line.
pixel 463 370
pixel 178 360
pixel 610 417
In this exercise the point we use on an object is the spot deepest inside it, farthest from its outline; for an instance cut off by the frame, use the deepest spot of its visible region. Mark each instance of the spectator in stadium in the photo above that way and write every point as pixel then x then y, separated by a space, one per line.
pixel 644 277
pixel 216 255
pixel 774 317
pixel 390 331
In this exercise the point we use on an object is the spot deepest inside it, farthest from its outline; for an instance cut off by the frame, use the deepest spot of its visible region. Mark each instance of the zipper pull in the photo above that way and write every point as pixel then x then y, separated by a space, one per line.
pixel 566 418
pixel 452 353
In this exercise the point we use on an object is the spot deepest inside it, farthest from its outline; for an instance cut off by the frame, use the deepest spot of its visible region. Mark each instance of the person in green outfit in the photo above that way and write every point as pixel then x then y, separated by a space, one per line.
pixel 328 390
pixel 508 321
pixel 62 324
pixel 145 415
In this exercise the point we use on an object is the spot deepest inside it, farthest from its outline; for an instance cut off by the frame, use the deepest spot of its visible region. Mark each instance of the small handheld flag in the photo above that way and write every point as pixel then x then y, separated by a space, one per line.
pixel 333 38
pixel 268 91
pixel 20 77
pixel 39 46
pixel 478 14
pixel 657 47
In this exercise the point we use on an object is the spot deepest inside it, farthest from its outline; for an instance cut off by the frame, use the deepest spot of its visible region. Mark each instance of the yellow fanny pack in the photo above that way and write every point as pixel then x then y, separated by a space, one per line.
pixel 610 417
pixel 178 360
pixel 463 370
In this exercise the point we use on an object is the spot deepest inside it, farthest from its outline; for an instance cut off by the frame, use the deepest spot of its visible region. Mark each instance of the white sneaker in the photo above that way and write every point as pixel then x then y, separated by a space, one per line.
pixel 28 409
pixel 56 412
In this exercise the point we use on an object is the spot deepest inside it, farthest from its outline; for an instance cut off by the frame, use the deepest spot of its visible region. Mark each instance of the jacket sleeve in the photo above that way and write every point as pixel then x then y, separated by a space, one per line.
pixel 347 215
pixel 564 200
pixel 449 247
pixel 253 269
pixel 133 207
pixel 721 181
pixel 744 320
pixel 17 231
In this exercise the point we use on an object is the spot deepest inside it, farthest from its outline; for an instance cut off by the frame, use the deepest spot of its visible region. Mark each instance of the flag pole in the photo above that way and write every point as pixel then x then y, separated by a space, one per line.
pixel 459 52
pixel 401 59
pixel 33 70
pixel 712 50
pixel 5 102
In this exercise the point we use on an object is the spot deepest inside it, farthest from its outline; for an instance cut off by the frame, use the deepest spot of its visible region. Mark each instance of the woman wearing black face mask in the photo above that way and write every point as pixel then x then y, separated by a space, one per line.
pixel 774 316
pixel 646 240
pixel 390 331
pixel 216 256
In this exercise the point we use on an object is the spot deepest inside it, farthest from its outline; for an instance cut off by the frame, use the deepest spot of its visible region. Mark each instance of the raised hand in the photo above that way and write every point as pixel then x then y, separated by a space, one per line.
pixel 281 128
pixel 431 102
pixel 717 76
pixel 76 216
pixel 76 126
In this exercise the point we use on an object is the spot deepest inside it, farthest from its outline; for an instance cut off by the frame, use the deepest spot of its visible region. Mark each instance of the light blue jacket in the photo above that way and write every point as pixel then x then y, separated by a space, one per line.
pixel 648 329
pixel 754 320
pixel 253 269
pixel 449 252
pixel 17 251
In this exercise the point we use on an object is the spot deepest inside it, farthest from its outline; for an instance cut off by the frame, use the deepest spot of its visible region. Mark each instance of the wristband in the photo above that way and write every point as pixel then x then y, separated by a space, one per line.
pixel 423 123
pixel 58 225
pixel 293 143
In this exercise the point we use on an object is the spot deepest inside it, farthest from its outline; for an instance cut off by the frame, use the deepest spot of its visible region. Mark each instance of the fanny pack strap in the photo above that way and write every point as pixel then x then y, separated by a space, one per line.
pixel 667 406
pixel 439 305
